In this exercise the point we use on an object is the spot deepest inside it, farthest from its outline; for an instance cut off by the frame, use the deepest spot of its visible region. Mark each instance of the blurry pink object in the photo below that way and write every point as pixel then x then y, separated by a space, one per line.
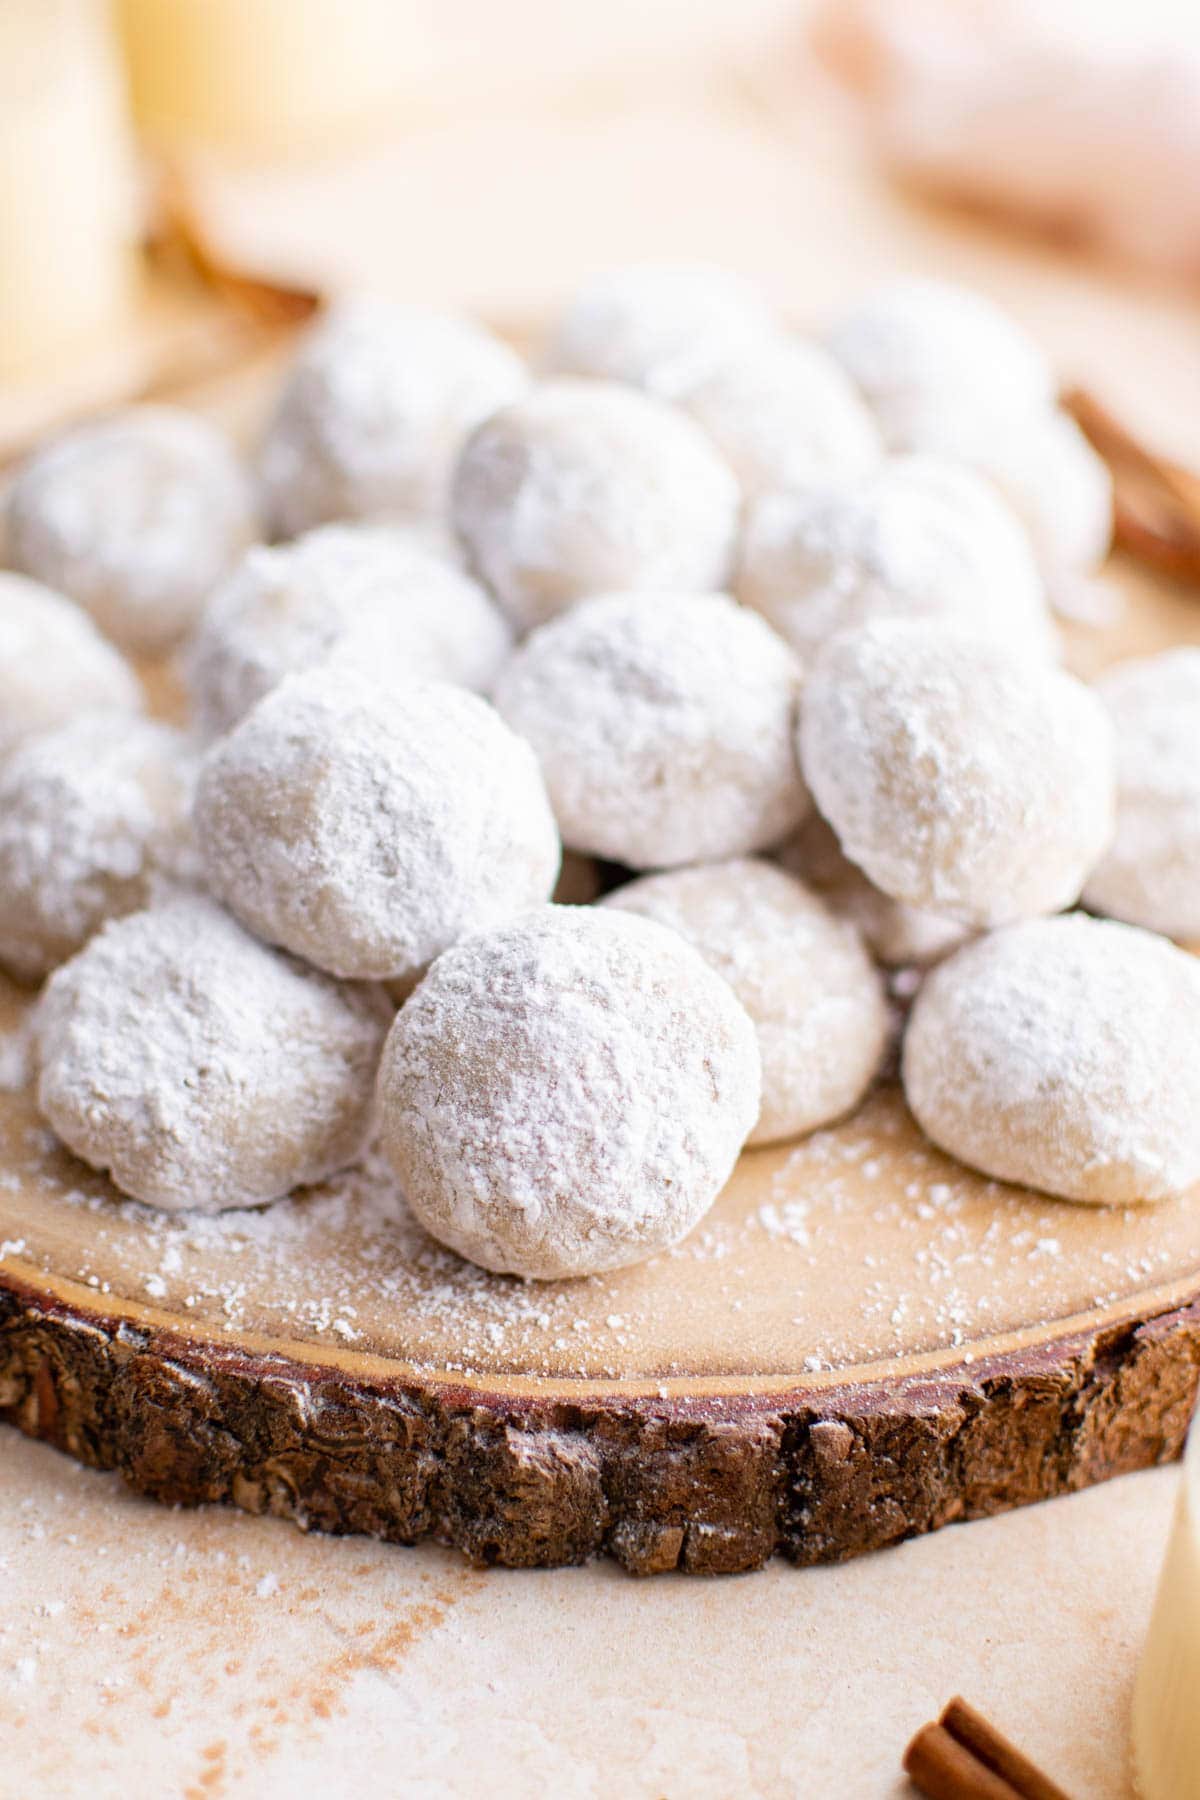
pixel 1074 116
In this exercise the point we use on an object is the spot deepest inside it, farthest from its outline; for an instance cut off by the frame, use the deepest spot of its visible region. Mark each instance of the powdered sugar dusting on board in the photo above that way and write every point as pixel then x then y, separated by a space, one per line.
pixel 860 1242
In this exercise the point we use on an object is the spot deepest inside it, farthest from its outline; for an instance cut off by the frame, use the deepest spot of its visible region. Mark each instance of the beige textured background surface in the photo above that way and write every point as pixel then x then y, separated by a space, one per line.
pixel 213 1656
pixel 217 1657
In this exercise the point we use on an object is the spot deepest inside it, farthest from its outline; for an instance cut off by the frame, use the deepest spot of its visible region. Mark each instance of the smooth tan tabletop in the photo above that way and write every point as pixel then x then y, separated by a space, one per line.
pixel 158 1653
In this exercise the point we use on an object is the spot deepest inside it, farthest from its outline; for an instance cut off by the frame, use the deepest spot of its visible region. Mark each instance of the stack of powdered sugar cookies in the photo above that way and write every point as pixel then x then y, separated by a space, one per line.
pixel 757 630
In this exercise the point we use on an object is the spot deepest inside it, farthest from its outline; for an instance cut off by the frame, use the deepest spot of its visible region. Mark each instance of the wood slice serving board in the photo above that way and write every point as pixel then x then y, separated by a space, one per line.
pixel 861 1342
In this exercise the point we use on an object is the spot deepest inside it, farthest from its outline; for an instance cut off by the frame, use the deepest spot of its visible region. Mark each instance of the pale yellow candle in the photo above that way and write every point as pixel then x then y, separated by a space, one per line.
pixel 263 76
pixel 67 214
pixel 1166 1704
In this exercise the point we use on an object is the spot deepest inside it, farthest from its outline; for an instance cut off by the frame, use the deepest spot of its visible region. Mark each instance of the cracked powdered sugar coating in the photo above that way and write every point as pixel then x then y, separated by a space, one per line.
pixel 202 1069
pixel 93 818
pixel 586 487
pixel 53 663
pixel 375 596
pixel 1151 873
pixel 659 326
pixel 664 724
pixel 1065 1054
pixel 959 777
pixel 567 1094
pixel 374 410
pixel 919 537
pixel 136 516
pixel 366 828
pixel 802 974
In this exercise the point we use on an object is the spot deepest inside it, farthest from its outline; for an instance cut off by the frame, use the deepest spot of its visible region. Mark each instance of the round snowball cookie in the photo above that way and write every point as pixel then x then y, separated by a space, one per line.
pixel 899 936
pixel 374 411
pixel 1150 874
pixel 54 664
pixel 918 538
pixel 368 594
pixel 94 818
pixel 368 829
pixel 664 725
pixel 200 1069
pixel 922 350
pixel 802 974
pixel 958 776
pixel 658 325
pixel 1063 1054
pixel 136 516
pixel 783 413
pixel 1050 476
pixel 584 487
pixel 568 1093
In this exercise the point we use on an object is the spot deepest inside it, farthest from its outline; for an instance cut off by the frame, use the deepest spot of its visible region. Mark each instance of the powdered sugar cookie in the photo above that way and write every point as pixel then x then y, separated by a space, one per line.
pixel 583 487
pixel 374 411
pixel 918 538
pixel 136 516
pixel 783 413
pixel 93 817
pixel 366 594
pixel 1063 1054
pixel 899 936
pixel 368 828
pixel 1150 874
pixel 664 727
pixel 53 663
pixel 201 1069
pixel 958 776
pixel 658 325
pixel 568 1093
pixel 922 350
pixel 802 974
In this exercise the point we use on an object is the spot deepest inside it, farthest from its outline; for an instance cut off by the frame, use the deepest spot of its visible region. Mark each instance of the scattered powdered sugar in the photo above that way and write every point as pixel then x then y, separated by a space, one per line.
pixel 586 487
pixel 93 816
pixel 803 975
pixel 1063 1053
pixel 664 724
pixel 802 1267
pixel 959 777
pixel 54 664
pixel 136 516
pixel 367 828
pixel 374 410
pixel 377 596
pixel 918 538
pixel 201 1068
pixel 567 1094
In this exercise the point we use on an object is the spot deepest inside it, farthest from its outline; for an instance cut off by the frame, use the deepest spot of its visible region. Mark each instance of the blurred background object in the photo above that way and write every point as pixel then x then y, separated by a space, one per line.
pixel 68 217
pixel 1082 117
pixel 460 154
pixel 264 77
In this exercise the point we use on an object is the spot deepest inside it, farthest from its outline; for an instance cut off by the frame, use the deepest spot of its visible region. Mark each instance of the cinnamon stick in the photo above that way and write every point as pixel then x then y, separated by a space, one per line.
pixel 944 1770
pixel 963 1757
pixel 973 1731
pixel 1156 501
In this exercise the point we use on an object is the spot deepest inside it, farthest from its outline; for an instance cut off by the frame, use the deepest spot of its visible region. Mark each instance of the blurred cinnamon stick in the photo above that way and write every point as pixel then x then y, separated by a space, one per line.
pixel 1156 501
